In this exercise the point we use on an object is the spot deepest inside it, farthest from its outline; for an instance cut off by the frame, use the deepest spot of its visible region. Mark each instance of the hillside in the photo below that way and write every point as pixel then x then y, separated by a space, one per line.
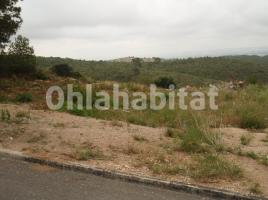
pixel 193 71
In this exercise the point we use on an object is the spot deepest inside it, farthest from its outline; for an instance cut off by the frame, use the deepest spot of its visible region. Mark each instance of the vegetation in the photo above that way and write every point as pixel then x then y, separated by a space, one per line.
pixel 192 71
pixel 165 82
pixel 200 140
pixel 22 114
pixel 20 59
pixel 139 138
pixel 255 188
pixel 10 21
pixel 245 139
pixel 215 167
pixel 5 115
pixel 88 153
pixel 65 70
pixel 24 98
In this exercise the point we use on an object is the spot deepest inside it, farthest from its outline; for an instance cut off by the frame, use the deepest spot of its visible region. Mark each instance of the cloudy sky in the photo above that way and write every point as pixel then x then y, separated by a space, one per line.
pixel 105 29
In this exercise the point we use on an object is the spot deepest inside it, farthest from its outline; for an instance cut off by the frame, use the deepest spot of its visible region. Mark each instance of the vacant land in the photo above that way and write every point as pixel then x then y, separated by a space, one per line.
pixel 138 149
pixel 227 148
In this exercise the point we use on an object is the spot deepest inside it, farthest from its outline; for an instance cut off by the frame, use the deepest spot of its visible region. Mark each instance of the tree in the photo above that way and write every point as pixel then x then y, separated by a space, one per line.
pixel 157 60
pixel 21 47
pixel 137 62
pixel 10 20
pixel 62 70
pixel 21 58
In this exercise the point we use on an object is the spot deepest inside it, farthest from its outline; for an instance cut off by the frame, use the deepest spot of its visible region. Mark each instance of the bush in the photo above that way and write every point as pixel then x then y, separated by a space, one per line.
pixel 164 82
pixel 62 70
pixel 65 70
pixel 24 98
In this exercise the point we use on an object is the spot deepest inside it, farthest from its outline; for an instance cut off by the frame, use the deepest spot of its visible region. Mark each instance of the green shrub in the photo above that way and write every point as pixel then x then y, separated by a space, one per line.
pixel 165 82
pixel 65 70
pixel 24 98
pixel 62 70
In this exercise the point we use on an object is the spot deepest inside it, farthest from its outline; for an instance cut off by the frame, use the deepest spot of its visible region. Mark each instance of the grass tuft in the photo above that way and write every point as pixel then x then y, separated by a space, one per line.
pixel 246 139
pixel 88 153
pixel 140 138
pixel 215 167
pixel 255 188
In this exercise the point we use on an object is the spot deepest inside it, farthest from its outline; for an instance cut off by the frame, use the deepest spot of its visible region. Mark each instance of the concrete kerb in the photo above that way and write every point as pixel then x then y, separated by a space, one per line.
pixel 178 186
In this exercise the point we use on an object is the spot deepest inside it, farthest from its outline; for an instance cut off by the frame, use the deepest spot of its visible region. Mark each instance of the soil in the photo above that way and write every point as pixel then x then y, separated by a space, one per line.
pixel 59 136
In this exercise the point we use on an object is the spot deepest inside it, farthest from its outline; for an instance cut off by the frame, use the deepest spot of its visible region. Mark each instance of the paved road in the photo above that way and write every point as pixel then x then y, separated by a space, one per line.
pixel 25 181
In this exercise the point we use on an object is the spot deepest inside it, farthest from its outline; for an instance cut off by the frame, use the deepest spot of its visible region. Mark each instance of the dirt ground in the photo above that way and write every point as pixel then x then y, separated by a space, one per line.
pixel 59 136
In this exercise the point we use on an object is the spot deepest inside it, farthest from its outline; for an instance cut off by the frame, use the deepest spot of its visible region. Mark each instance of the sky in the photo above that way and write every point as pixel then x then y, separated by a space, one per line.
pixel 108 29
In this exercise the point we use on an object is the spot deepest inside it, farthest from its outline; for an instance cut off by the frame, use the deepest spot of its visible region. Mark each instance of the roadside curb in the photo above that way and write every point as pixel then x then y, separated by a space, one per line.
pixel 177 186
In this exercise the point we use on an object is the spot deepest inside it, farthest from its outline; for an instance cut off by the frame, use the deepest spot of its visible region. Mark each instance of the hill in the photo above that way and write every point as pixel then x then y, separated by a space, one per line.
pixel 191 71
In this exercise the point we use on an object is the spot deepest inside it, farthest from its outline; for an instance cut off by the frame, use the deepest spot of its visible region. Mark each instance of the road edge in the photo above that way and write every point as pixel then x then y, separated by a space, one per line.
pixel 177 186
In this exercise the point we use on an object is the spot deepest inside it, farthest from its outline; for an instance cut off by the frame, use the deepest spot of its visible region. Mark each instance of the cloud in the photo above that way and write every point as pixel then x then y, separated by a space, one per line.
pixel 103 29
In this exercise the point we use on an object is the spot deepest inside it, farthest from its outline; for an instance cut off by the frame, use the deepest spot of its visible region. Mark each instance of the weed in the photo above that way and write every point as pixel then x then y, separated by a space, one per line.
pixel 215 167
pixel 167 169
pixel 246 139
pixel 252 155
pixel 140 138
pixel 24 98
pixel 172 133
pixel 5 115
pixel 264 160
pixel 196 140
pixel 251 117
pixel 36 139
pixel 59 125
pixel 22 114
pixel 3 99
pixel 133 119
pixel 255 188
pixel 116 123
pixel 88 153
pixel 131 150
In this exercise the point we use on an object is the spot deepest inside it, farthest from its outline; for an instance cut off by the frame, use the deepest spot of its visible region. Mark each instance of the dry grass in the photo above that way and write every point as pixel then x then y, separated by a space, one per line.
pixel 246 139
pixel 140 138
pixel 255 189
pixel 209 167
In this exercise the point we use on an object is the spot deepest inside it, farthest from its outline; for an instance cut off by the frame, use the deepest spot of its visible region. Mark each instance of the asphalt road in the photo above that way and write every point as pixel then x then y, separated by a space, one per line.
pixel 25 181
